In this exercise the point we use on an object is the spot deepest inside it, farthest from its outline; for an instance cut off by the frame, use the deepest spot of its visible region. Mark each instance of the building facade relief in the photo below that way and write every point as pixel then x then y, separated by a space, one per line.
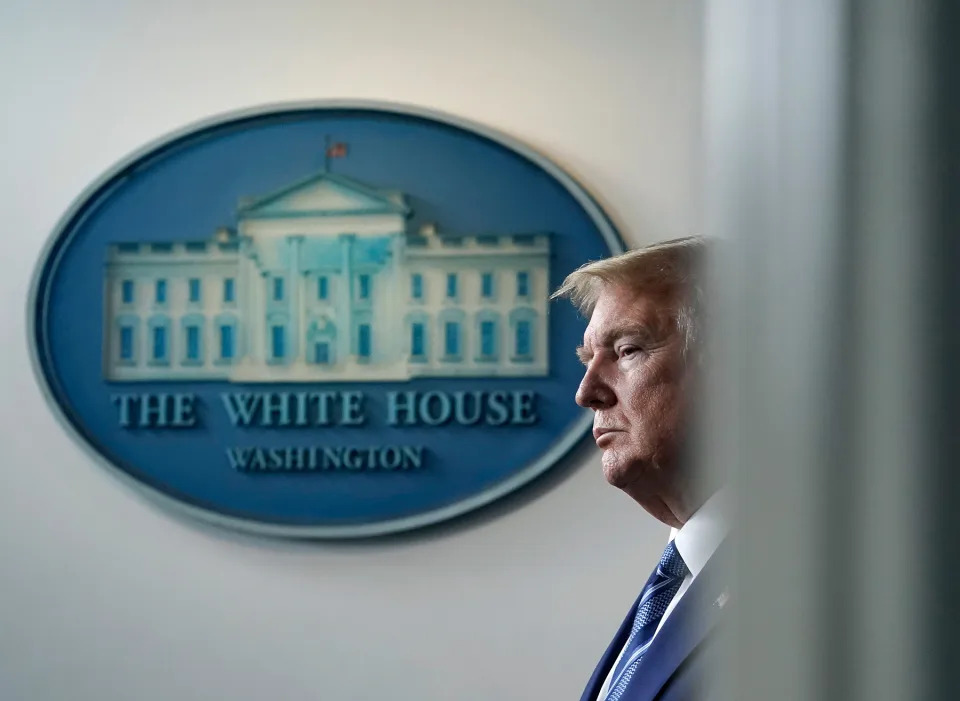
pixel 324 281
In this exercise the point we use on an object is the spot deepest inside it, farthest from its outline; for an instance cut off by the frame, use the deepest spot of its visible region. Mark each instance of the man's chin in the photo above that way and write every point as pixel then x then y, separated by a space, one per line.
pixel 616 473
pixel 628 474
pixel 640 482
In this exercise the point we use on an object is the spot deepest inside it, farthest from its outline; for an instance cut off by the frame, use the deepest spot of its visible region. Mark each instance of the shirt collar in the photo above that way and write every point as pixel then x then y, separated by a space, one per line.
pixel 703 532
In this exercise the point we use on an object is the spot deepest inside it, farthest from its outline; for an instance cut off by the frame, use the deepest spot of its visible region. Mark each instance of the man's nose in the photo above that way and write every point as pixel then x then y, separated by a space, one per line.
pixel 594 392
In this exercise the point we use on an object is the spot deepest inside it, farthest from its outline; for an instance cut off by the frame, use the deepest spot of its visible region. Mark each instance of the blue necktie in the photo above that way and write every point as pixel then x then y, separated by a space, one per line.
pixel 658 593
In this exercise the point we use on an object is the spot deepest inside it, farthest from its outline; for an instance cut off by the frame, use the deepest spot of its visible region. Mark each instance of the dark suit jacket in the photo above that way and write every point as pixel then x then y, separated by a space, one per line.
pixel 675 667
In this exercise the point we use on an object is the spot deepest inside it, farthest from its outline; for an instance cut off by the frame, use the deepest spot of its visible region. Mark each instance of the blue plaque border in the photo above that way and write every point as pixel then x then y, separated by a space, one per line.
pixel 87 201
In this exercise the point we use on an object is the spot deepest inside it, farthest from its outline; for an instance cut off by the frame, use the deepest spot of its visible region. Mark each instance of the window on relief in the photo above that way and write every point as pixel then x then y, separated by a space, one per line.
pixel 193 342
pixel 488 339
pixel 364 342
pixel 126 343
pixel 277 341
pixel 229 290
pixel 321 353
pixel 194 289
pixel 159 343
pixel 486 285
pixel 524 334
pixel 227 342
pixel 523 283
pixel 323 287
pixel 417 340
pixel 126 291
pixel 451 285
pixel 160 291
pixel 451 339
pixel 278 288
pixel 364 286
pixel 416 286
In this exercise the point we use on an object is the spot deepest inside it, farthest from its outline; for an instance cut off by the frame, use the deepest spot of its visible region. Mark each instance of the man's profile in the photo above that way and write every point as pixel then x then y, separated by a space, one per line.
pixel 642 354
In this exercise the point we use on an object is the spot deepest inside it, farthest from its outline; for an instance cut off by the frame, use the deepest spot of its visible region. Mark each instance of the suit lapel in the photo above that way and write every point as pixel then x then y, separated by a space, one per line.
pixel 693 618
pixel 613 650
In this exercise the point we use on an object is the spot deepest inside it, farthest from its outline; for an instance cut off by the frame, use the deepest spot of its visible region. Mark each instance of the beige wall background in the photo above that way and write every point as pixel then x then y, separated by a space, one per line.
pixel 106 596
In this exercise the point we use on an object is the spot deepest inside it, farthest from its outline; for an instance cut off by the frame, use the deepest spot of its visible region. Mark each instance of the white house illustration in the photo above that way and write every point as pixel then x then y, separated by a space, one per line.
pixel 322 281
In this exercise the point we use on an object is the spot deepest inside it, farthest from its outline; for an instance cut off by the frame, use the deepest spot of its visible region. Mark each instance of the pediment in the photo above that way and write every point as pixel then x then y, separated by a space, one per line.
pixel 325 194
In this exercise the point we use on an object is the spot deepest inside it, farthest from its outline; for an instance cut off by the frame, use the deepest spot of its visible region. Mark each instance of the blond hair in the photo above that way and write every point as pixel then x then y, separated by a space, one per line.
pixel 673 267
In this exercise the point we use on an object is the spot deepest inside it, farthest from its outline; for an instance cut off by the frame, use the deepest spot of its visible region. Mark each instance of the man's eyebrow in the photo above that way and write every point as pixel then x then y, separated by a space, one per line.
pixel 627 328
pixel 606 340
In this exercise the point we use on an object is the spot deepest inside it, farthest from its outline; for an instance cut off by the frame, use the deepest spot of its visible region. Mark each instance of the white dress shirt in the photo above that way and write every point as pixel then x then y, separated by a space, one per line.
pixel 696 542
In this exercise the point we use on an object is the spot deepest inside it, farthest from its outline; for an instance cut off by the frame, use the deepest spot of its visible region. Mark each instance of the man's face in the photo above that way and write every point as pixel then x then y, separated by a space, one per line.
pixel 635 381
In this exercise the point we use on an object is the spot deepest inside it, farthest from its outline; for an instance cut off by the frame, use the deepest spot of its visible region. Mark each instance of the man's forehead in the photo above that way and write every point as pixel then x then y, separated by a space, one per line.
pixel 620 309
pixel 616 302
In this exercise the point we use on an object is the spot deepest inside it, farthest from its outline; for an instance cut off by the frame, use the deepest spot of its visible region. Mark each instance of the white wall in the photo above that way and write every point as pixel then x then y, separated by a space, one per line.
pixel 105 596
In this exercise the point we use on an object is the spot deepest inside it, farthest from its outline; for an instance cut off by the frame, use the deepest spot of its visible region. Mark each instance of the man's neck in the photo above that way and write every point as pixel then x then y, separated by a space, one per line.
pixel 703 532
pixel 673 509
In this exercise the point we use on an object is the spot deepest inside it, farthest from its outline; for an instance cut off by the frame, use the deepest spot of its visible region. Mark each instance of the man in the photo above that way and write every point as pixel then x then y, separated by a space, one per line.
pixel 642 353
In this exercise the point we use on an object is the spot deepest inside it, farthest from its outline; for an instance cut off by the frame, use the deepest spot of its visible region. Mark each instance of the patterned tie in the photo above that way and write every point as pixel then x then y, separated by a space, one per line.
pixel 657 595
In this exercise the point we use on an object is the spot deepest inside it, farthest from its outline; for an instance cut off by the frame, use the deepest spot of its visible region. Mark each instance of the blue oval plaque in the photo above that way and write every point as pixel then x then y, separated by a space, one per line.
pixel 322 320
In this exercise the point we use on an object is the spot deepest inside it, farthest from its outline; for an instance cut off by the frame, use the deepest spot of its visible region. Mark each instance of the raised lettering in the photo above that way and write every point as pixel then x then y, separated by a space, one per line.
pixel 241 406
pixel 302 398
pixel 239 458
pixel 295 459
pixel 258 461
pixel 183 410
pixel 352 414
pixel 153 410
pixel 332 456
pixel 412 456
pixel 461 400
pixel 276 403
pixel 408 406
pixel 276 458
pixel 353 459
pixel 124 401
pixel 323 406
pixel 442 403
pixel 523 411
pixel 497 411
pixel 390 458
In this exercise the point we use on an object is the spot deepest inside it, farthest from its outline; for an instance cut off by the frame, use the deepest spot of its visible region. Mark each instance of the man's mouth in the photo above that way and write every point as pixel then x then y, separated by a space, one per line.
pixel 605 435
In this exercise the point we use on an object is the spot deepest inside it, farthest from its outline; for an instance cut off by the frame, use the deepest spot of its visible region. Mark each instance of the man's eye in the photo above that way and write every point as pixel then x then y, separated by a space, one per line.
pixel 628 351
